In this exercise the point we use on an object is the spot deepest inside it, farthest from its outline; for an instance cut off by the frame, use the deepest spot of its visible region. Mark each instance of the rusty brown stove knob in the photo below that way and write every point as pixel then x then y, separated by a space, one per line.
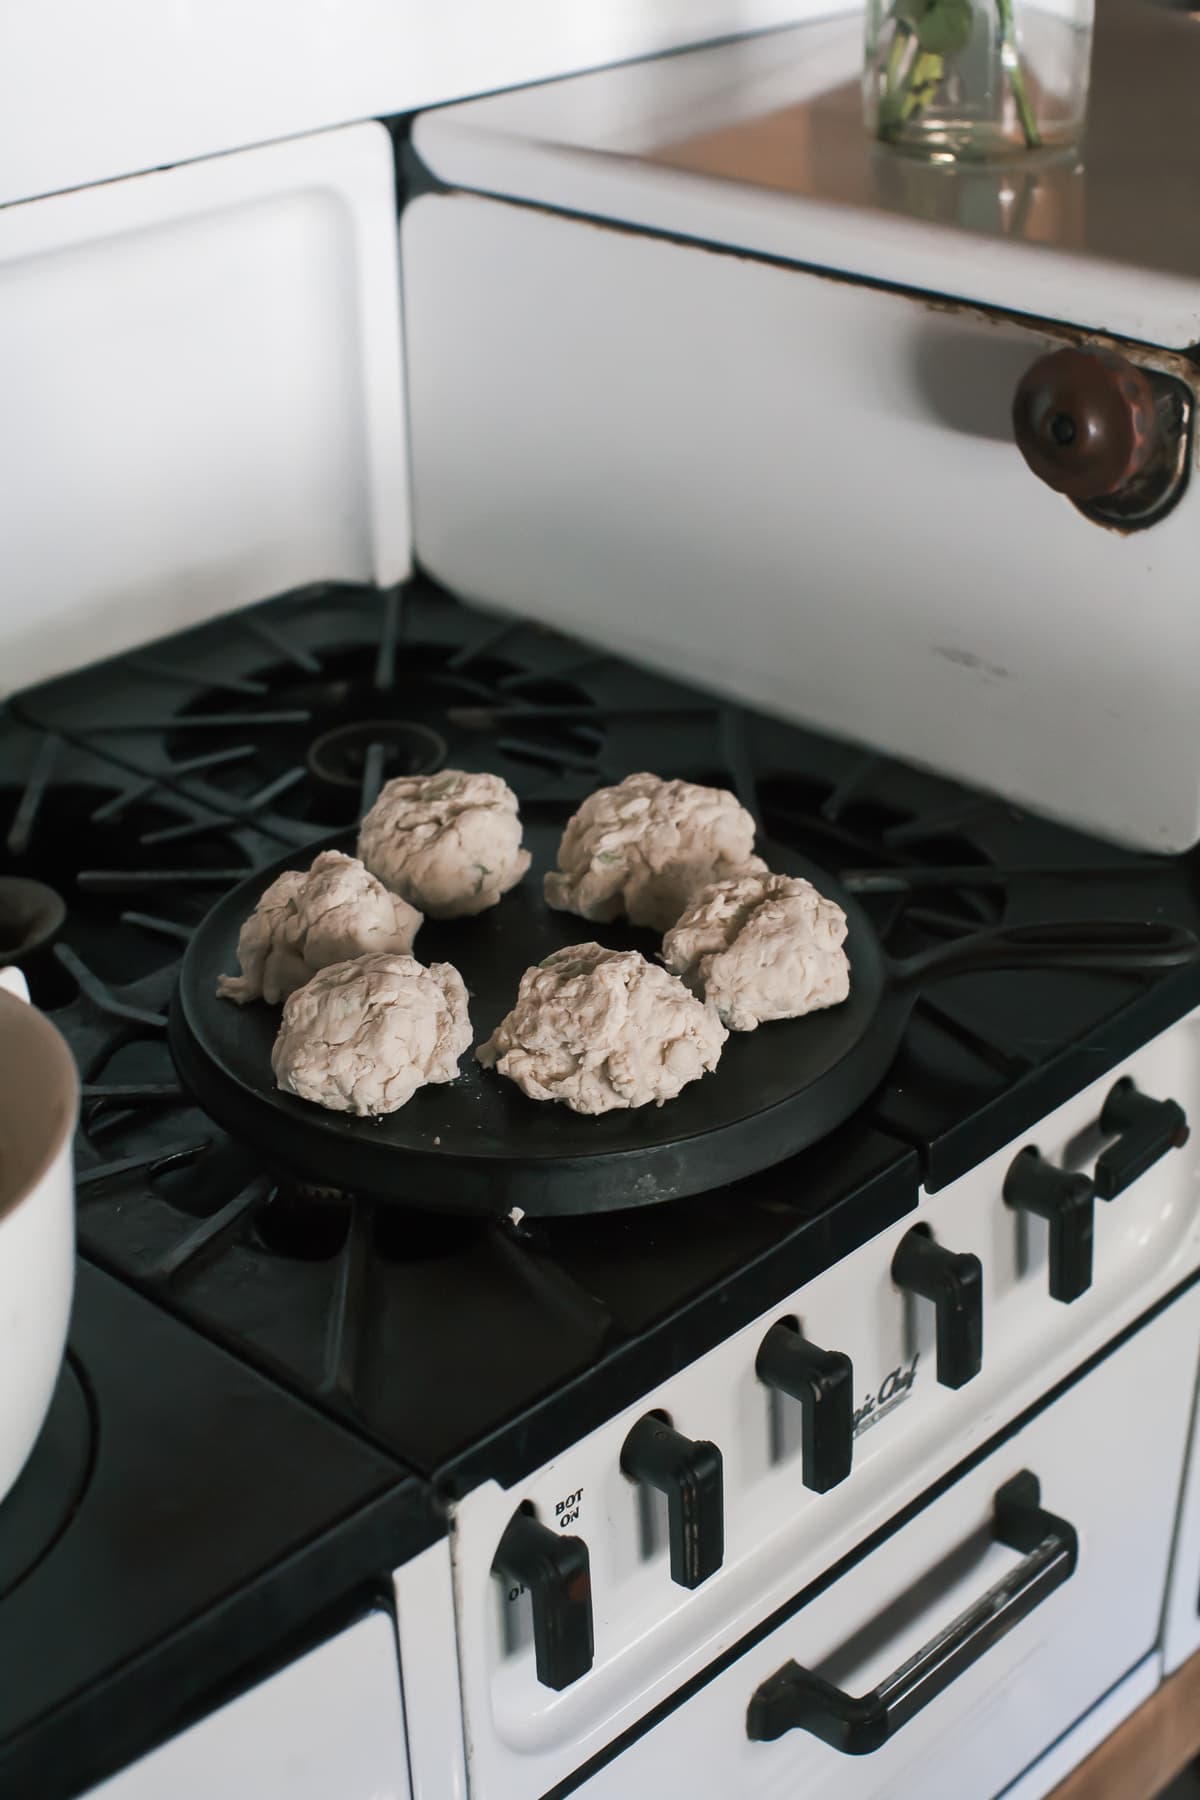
pixel 1086 422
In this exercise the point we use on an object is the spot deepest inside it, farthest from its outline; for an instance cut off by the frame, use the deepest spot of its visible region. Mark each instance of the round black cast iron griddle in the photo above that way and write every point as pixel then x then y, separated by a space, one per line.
pixel 478 1145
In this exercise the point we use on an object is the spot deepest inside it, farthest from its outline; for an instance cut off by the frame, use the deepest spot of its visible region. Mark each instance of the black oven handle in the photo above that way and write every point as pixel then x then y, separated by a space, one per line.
pixel 794 1699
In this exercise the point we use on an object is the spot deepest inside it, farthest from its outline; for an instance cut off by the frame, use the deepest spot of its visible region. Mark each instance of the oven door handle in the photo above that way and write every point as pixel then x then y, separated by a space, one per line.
pixel 794 1699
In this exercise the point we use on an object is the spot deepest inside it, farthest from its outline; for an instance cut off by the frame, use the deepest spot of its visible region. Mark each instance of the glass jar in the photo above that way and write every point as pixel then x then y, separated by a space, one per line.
pixel 967 80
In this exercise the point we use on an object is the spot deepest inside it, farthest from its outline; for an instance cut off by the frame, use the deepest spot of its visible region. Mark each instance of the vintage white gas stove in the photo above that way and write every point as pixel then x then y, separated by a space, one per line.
pixel 662 431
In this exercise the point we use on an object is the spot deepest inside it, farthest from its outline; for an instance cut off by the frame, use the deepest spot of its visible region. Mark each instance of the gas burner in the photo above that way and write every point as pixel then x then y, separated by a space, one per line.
pixel 371 751
pixel 352 723
pixel 31 917
pixel 78 860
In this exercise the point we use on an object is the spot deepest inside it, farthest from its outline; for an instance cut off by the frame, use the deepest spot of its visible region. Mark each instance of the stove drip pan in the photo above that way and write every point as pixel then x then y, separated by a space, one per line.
pixel 46 1496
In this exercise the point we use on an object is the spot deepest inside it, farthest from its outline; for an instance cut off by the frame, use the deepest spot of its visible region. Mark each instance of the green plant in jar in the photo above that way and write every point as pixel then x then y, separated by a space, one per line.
pixel 917 51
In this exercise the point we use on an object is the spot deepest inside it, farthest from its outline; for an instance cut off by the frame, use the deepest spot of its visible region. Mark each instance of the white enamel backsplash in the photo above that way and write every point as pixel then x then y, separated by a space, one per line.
pixel 202 396
pixel 651 1636
pixel 89 92
pixel 800 491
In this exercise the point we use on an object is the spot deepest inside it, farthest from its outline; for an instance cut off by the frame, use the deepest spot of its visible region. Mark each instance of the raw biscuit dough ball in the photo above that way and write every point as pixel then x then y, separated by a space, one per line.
pixel 603 1029
pixel 308 919
pixel 646 847
pixel 363 1036
pixel 762 947
pixel 450 843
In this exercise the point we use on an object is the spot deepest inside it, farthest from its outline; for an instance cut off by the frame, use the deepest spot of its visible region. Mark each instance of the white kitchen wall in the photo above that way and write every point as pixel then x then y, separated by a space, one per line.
pixel 89 91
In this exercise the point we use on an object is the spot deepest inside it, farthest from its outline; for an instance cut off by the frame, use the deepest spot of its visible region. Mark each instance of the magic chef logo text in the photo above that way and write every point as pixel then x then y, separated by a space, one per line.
pixel 895 1387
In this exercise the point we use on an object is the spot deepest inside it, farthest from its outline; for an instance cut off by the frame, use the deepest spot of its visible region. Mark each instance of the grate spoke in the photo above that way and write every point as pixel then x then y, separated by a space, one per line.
pixel 487 644
pixel 112 809
pixel 275 640
pixel 20 832
pixel 191 828
pixel 210 1234
pixel 549 1285
pixel 970 811
pixel 159 927
pixel 272 790
pixel 736 758
pixel 219 721
pixel 101 996
pixel 131 881
pixel 157 1162
pixel 557 755
pixel 390 631
pixel 165 671
pixel 851 785
pixel 372 778
pixel 572 670
pixel 340 1359
pixel 145 1093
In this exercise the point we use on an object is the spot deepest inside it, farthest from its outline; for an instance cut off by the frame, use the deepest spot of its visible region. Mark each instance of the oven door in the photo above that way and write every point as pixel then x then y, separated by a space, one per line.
pixel 945 1660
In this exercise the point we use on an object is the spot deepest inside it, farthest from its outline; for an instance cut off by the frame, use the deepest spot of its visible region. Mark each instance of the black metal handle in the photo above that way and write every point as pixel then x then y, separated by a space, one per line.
pixel 690 1473
pixel 557 1572
pixel 1113 946
pixel 1066 1201
pixel 953 1280
pixel 1145 1130
pixel 823 1382
pixel 795 1699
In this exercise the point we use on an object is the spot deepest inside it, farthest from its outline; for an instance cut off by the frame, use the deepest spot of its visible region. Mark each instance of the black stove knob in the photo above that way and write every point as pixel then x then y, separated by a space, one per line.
pixel 690 1473
pixel 1066 1201
pixel 1145 1129
pixel 823 1382
pixel 954 1282
pixel 557 1573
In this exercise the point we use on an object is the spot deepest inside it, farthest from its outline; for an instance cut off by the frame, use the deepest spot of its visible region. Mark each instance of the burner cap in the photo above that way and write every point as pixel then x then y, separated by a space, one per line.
pixel 340 756
pixel 31 915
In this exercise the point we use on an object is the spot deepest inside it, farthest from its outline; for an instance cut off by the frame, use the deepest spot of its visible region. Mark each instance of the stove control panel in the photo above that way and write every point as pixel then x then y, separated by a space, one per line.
pixel 823 1382
pixel 556 1572
pixel 691 1475
pixel 708 1502
pixel 953 1281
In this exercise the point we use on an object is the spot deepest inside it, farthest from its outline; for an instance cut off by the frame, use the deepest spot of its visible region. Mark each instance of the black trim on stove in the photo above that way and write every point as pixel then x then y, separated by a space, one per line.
pixel 796 1604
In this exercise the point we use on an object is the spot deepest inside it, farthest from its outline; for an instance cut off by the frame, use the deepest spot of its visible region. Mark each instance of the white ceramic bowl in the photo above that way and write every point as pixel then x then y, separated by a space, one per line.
pixel 39 1104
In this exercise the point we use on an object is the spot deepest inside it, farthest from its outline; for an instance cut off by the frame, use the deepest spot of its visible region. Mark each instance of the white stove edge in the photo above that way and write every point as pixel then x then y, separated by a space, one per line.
pixel 330 1723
